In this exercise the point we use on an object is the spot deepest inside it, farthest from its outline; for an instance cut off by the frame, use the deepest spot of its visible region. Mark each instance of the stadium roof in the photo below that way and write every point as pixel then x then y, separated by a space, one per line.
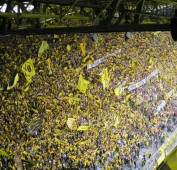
pixel 70 16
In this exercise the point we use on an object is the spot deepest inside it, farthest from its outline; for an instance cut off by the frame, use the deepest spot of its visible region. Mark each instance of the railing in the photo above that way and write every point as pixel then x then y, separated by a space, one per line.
pixel 157 158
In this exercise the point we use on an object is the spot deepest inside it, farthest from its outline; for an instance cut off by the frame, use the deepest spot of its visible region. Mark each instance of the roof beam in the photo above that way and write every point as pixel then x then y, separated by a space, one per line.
pixel 28 15
pixel 95 29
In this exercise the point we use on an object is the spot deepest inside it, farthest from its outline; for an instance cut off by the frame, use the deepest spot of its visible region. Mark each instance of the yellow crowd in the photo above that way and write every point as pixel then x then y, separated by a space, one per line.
pixel 116 121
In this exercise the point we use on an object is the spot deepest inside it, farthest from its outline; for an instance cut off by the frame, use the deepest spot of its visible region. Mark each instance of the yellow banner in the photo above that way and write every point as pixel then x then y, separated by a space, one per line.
pixel 44 46
pixel 14 83
pixel 28 69
pixel 83 128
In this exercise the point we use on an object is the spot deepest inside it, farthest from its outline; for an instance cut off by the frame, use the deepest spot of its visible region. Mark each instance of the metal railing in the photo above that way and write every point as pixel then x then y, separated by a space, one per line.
pixel 156 159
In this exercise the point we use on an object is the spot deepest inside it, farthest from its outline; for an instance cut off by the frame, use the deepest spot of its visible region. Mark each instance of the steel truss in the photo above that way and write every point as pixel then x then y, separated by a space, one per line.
pixel 66 15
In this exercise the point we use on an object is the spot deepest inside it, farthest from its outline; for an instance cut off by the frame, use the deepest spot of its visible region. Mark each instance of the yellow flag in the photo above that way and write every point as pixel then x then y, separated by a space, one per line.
pixel 28 69
pixel 151 63
pixel 156 33
pixel 90 95
pixel 48 111
pixel 72 157
pixel 116 91
pixel 135 62
pixel 44 46
pixel 119 91
pixel 117 121
pixel 71 122
pixel 127 98
pixel 26 85
pixel 161 86
pixel 56 36
pixel 26 153
pixel 1 88
pixel 162 150
pixel 83 48
pixel 3 153
pixel 82 84
pixel 82 142
pixel 116 135
pixel 34 110
pixel 48 62
pixel 26 88
pixel 58 140
pixel 84 59
pixel 49 65
pixel 150 60
pixel 105 78
pixel 68 48
pixel 14 83
pixel 55 101
pixel 83 128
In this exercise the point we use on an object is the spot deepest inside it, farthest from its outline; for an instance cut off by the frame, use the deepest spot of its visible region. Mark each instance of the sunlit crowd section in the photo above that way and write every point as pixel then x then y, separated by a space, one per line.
pixel 85 101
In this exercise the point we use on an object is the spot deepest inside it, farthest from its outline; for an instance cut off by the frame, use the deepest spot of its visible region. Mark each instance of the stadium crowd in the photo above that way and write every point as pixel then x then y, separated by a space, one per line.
pixel 33 118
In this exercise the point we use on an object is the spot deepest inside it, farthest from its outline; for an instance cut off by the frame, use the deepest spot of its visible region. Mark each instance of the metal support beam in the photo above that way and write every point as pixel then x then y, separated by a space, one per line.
pixel 139 10
pixel 95 29
pixel 115 4
pixel 27 15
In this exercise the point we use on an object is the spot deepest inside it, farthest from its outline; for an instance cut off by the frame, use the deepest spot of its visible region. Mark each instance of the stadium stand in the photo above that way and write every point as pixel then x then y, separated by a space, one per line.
pixel 58 113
